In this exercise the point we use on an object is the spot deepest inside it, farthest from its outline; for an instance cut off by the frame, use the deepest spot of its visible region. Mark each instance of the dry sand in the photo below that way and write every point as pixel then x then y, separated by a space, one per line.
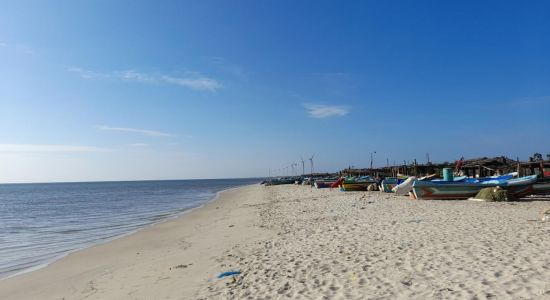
pixel 300 243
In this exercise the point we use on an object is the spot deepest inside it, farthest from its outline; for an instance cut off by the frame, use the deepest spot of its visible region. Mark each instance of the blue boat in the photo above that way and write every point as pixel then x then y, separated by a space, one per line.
pixel 519 187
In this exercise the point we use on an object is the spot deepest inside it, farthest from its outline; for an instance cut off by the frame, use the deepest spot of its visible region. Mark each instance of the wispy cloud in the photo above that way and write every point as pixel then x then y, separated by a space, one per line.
pixel 191 80
pixel 135 130
pixel 139 145
pixel 200 83
pixel 48 148
pixel 132 75
pixel 325 111
pixel 17 47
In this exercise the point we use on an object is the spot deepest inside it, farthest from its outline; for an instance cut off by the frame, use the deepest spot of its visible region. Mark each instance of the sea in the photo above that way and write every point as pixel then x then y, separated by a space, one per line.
pixel 40 223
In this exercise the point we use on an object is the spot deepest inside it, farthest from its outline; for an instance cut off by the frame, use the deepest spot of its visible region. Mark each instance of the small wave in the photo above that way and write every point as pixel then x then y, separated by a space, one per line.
pixel 70 231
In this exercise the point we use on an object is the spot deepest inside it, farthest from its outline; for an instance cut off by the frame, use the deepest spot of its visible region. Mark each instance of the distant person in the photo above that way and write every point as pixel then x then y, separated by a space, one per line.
pixel 458 165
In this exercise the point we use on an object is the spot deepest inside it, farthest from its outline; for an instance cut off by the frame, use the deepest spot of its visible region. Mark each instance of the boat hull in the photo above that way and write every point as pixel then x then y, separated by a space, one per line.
pixel 542 187
pixel 321 184
pixel 356 186
pixel 405 187
pixel 458 191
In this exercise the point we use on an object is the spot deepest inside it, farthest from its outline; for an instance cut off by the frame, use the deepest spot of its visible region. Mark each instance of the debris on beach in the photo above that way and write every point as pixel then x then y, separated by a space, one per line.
pixel 545 216
pixel 181 266
pixel 229 273
pixel 406 282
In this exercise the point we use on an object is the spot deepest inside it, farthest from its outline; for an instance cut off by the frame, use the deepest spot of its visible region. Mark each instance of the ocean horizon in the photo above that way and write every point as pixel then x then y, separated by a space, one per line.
pixel 42 222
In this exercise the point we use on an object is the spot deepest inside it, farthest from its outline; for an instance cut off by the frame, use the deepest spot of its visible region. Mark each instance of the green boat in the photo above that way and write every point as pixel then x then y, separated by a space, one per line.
pixel 359 184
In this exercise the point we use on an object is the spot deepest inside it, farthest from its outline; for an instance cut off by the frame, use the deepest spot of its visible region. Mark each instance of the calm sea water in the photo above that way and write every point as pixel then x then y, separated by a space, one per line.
pixel 42 222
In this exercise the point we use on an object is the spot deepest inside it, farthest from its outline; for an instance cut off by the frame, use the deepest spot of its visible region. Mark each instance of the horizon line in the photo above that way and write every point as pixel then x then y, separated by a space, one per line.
pixel 137 180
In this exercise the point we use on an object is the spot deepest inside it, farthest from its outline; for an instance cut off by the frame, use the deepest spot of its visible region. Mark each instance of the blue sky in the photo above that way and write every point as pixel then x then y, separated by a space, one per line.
pixel 124 90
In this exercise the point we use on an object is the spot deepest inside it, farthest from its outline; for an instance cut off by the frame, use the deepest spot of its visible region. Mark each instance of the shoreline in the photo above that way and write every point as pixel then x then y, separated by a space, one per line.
pixel 110 239
pixel 13 283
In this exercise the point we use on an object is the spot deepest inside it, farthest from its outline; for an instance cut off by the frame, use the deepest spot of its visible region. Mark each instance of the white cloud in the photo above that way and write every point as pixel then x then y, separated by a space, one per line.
pixel 199 83
pixel 325 111
pixel 135 130
pixel 48 148
pixel 132 75
pixel 191 80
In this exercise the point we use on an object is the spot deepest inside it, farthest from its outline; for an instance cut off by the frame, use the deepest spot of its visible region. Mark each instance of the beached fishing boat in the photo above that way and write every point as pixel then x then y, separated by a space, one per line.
pixel 279 181
pixel 405 187
pixel 357 184
pixel 324 183
pixel 442 190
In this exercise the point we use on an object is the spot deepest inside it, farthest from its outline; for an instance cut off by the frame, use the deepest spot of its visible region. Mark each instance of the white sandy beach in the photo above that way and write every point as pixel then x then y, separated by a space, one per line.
pixel 296 242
